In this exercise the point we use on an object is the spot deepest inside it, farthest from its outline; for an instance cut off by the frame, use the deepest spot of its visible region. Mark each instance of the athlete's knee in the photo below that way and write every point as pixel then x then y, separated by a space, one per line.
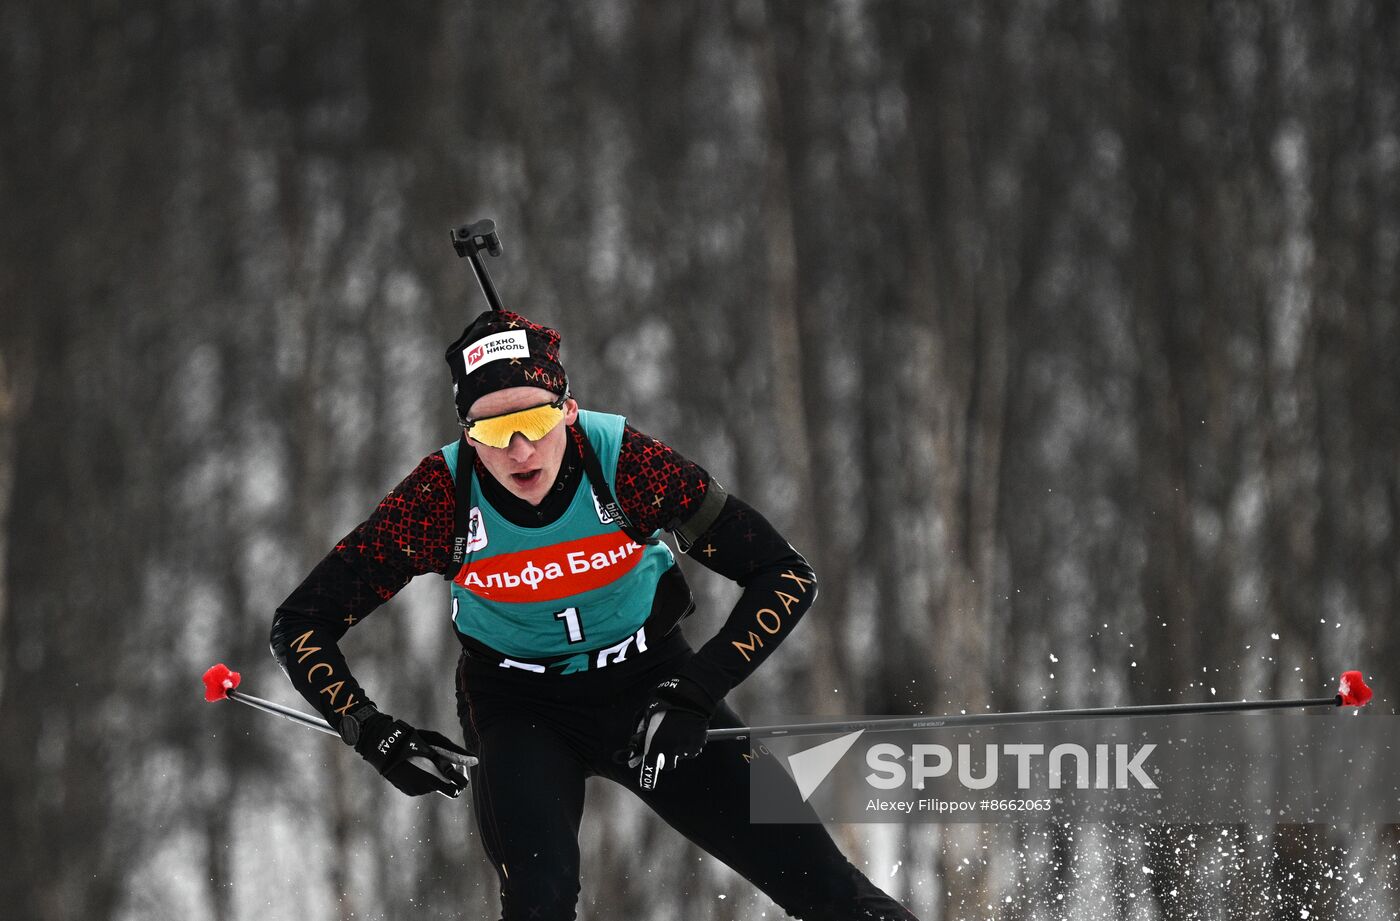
pixel 885 909
pixel 538 895
pixel 878 907
pixel 842 893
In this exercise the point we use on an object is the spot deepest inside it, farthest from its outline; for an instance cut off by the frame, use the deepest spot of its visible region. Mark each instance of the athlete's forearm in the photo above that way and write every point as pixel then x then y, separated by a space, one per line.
pixel 407 535
pixel 779 586
pixel 306 631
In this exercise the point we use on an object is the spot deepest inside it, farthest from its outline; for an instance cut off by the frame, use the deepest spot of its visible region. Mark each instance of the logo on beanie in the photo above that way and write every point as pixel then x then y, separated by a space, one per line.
pixel 509 344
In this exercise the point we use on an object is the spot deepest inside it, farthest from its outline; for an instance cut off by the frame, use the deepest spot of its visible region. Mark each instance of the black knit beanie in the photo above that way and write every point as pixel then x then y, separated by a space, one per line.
pixel 500 349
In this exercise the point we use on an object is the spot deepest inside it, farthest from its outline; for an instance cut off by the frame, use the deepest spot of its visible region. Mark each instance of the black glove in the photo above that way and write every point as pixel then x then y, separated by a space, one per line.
pixel 670 729
pixel 404 755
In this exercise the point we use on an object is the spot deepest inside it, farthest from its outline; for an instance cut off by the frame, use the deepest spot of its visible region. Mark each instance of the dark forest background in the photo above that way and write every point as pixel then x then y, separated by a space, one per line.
pixel 1061 336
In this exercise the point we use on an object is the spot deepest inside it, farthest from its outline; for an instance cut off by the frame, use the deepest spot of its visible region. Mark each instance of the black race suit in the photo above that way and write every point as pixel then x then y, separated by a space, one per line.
pixel 540 736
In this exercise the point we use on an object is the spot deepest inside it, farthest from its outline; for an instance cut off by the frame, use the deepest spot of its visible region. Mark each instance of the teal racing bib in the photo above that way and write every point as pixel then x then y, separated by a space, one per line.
pixel 574 592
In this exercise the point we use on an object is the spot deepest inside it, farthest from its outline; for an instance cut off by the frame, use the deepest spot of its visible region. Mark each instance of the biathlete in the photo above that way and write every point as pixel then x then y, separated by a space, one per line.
pixel 545 518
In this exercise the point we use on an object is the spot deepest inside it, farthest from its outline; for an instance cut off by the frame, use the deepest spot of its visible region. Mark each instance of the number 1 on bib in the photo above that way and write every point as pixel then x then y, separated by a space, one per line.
pixel 571 622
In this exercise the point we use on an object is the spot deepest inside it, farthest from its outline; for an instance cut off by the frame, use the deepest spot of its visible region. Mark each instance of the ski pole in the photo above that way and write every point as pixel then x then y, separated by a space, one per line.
pixel 1352 692
pixel 469 240
pixel 222 684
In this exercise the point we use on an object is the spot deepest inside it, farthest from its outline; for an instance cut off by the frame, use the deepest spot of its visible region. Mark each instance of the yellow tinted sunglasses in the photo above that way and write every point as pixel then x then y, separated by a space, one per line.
pixel 534 423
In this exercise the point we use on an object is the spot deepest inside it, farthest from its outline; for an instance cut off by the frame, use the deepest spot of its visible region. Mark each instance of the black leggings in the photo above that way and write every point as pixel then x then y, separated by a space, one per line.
pixel 540 737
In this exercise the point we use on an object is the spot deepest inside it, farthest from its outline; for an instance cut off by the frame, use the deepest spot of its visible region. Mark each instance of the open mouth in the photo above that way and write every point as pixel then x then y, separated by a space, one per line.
pixel 526 479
